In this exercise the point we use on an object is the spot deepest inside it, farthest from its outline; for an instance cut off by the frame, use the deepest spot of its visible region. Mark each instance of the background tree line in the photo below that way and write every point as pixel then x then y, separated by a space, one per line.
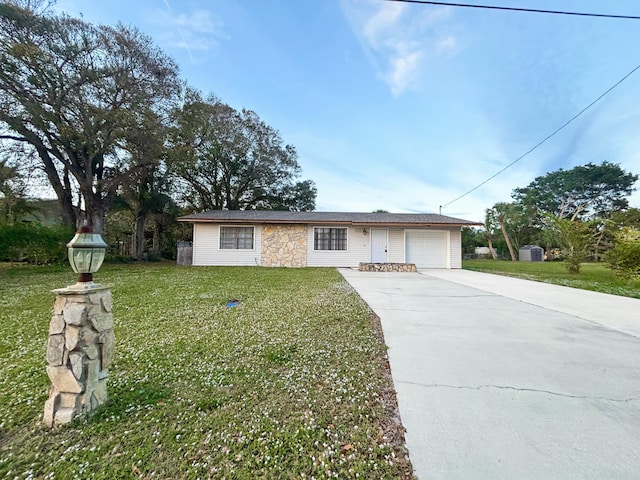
pixel 576 215
pixel 100 114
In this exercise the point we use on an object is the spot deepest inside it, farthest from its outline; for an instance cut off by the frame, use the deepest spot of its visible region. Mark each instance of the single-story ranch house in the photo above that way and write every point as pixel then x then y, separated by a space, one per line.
pixel 325 239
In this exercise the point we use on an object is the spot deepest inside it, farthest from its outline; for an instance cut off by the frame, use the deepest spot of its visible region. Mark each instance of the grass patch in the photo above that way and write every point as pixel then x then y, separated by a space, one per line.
pixel 592 276
pixel 288 384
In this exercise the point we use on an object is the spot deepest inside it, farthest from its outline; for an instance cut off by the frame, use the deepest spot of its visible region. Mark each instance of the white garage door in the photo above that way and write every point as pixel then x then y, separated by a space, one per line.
pixel 427 249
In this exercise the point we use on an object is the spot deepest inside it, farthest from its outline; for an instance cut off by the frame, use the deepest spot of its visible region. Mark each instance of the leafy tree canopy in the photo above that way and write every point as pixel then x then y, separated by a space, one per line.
pixel 624 257
pixel 625 218
pixel 516 220
pixel 80 96
pixel 581 193
pixel 575 239
pixel 229 159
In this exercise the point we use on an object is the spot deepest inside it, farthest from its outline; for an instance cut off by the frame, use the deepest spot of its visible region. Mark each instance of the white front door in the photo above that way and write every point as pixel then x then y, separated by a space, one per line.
pixel 378 245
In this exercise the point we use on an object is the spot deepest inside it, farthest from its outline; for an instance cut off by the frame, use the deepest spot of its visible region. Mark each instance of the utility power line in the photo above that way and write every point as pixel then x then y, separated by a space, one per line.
pixel 517 9
pixel 546 138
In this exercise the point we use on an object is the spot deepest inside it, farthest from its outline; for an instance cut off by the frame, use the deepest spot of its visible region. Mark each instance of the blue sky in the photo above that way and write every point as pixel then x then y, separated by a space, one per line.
pixel 405 107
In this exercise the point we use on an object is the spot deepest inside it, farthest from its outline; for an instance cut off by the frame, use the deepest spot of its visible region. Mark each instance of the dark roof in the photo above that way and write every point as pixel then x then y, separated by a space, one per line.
pixel 531 247
pixel 271 216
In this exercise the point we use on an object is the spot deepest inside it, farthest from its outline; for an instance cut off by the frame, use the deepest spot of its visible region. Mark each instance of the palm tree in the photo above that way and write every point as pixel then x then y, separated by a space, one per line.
pixel 499 214
pixel 488 229
pixel 148 197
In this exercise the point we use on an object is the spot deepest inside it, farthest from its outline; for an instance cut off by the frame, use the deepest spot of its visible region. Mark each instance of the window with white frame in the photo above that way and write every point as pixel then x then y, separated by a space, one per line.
pixel 329 238
pixel 236 238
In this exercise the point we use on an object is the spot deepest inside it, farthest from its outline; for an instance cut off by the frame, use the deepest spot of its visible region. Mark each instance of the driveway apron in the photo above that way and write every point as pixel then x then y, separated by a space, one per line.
pixel 493 387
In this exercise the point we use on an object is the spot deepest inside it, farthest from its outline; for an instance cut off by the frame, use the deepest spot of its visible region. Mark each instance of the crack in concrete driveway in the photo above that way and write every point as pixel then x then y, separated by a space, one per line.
pixel 519 389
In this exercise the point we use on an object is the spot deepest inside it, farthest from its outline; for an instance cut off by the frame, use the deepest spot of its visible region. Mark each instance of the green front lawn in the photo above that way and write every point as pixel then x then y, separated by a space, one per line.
pixel 291 383
pixel 592 276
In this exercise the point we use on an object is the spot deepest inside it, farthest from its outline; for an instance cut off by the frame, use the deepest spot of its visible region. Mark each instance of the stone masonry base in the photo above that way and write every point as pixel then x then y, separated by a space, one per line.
pixel 387 267
pixel 79 351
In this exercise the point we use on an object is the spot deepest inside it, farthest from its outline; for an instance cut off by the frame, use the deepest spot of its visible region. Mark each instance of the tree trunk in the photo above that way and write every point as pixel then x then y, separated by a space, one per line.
pixel 490 244
pixel 62 187
pixel 137 239
pixel 96 207
pixel 95 217
pixel 157 230
pixel 598 247
pixel 69 219
pixel 508 241
pixel 65 198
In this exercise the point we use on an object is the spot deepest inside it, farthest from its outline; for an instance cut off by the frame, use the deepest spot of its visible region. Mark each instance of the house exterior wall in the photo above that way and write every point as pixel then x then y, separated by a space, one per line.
pixel 292 245
pixel 206 247
pixel 358 249
pixel 455 247
pixel 284 245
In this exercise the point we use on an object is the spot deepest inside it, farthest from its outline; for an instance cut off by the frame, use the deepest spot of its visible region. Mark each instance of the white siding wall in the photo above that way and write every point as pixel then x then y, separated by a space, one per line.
pixel 396 245
pixel 455 248
pixel 206 251
pixel 358 249
pixel 206 243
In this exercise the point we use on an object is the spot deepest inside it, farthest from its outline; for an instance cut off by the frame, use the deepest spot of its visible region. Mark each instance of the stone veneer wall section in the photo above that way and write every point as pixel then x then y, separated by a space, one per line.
pixel 79 351
pixel 284 246
pixel 387 267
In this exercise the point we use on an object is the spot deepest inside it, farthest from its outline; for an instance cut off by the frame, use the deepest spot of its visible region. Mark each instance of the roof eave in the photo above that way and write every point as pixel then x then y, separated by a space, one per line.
pixel 330 222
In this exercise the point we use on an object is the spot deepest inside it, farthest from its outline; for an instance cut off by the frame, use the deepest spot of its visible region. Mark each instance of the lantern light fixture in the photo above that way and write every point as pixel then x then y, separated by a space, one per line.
pixel 86 254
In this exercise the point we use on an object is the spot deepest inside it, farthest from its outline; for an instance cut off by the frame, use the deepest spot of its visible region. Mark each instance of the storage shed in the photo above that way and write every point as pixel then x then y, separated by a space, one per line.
pixel 531 253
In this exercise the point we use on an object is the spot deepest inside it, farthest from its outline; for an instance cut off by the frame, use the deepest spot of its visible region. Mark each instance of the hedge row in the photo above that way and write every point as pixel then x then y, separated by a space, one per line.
pixel 33 243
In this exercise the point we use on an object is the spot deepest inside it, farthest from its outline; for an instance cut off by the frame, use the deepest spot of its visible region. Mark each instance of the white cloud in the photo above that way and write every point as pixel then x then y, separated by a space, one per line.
pixel 447 44
pixel 198 30
pixel 399 38
pixel 378 25
pixel 403 72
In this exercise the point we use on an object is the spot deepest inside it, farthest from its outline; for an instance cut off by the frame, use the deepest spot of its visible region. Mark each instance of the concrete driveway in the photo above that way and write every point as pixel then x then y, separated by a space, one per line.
pixel 499 378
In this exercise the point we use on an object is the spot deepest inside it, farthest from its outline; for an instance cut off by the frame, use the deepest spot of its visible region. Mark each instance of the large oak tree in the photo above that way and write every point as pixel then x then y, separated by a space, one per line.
pixel 81 96
pixel 584 192
pixel 229 159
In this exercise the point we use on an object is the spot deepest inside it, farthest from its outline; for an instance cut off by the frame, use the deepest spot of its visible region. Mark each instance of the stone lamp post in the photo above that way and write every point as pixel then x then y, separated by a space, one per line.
pixel 80 345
